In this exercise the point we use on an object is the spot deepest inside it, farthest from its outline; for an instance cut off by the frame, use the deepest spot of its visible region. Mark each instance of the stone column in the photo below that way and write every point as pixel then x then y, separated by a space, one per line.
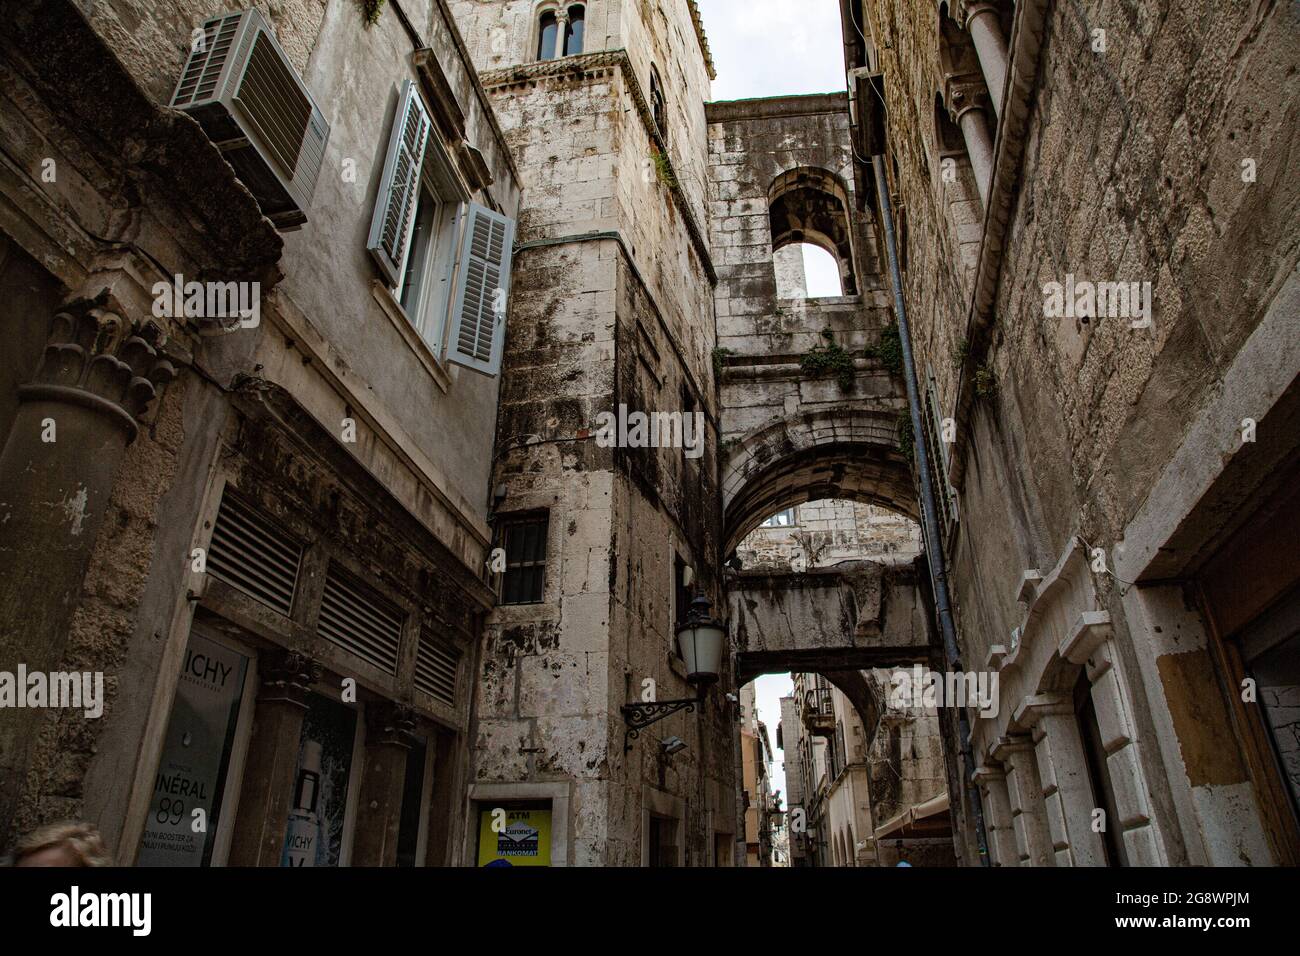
pixel 1063 770
pixel 57 470
pixel 272 760
pixel 1028 817
pixel 997 815
pixel 388 741
pixel 966 102
pixel 985 29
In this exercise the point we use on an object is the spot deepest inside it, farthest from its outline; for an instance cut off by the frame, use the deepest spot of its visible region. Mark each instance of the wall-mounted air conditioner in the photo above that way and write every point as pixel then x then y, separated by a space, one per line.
pixel 240 87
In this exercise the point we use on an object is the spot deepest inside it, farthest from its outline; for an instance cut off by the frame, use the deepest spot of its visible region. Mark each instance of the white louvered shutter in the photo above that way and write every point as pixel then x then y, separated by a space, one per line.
pixel 482 289
pixel 390 228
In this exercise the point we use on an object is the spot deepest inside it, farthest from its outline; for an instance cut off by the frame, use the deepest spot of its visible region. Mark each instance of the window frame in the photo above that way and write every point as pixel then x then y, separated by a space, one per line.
pixel 539 33
pixel 658 103
pixel 519 520
pixel 568 29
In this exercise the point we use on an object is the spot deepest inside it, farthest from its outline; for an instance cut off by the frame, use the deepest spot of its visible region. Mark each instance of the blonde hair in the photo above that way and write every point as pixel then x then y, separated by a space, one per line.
pixel 82 839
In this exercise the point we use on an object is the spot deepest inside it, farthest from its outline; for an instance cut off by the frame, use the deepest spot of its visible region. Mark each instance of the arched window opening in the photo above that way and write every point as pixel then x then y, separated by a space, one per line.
pixel 548 36
pixel 574 33
pixel 658 107
pixel 810 206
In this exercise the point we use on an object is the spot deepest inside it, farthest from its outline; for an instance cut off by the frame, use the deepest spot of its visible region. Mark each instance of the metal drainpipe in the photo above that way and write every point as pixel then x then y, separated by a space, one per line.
pixel 934 543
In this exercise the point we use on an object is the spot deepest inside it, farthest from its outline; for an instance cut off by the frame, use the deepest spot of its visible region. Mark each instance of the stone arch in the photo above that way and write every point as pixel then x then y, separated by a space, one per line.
pixel 810 204
pixel 830 452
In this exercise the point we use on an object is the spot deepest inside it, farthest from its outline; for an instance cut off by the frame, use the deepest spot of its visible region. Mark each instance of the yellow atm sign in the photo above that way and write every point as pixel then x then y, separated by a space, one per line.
pixel 514 837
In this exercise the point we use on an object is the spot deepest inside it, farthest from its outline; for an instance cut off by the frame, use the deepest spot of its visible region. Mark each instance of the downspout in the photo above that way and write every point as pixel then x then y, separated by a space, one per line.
pixel 933 541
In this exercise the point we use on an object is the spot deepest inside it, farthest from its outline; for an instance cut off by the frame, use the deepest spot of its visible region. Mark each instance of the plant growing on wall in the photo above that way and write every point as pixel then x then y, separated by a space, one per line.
pixel 959 353
pixel 663 169
pixel 720 354
pixel 905 439
pixel 986 381
pixel 829 358
pixel 371 10
pixel 890 350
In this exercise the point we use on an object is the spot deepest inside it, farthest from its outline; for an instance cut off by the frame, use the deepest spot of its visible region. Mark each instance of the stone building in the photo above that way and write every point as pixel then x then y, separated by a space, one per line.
pixel 756 782
pixel 259 507
pixel 1096 229
pixel 328 326
pixel 603 108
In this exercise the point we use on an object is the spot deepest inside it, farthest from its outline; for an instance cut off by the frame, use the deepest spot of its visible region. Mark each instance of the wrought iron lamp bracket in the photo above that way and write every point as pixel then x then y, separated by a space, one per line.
pixel 641 715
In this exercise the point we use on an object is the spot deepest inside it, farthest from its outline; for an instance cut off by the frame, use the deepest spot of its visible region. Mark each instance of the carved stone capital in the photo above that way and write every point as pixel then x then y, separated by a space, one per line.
pixel 963 93
pixel 287 676
pixel 390 724
pixel 96 359
pixel 964 11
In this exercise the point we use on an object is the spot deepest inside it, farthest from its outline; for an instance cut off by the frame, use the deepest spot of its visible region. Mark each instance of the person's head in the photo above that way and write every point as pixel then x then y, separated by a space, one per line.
pixel 69 843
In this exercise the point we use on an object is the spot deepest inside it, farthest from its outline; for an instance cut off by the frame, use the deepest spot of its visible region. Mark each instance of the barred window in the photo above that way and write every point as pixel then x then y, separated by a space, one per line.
pixel 524 540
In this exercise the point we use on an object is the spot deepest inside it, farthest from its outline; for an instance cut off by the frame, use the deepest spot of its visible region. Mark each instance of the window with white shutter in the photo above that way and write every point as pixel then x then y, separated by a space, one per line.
pixel 399 189
pixel 482 288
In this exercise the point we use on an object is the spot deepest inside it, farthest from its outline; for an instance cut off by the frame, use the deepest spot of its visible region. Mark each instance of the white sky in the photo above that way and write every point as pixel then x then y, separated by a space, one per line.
pixel 774 47
pixel 778 48
pixel 768 691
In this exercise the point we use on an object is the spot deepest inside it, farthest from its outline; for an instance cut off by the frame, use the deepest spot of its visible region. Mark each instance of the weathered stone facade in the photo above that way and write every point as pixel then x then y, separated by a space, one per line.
pixel 329 430
pixel 613 307
pixel 1102 464
pixel 390 502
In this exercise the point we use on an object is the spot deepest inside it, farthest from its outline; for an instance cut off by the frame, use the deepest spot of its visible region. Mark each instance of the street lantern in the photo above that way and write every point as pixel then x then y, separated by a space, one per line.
pixel 700 641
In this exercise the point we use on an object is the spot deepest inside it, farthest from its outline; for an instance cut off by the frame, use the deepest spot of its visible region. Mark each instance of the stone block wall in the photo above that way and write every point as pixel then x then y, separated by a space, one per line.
pixel 825 533
pixel 1150 146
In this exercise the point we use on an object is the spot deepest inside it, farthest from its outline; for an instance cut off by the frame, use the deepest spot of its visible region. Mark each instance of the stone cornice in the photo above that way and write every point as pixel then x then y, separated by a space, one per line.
pixel 698 21
pixel 1026 46
pixel 766 107
pixel 592 63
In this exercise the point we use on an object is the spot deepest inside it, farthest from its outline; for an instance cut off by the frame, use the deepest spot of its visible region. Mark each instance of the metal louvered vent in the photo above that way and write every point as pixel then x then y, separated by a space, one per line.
pixel 436 663
pixel 358 620
pixel 270 96
pixel 251 554
pixel 204 67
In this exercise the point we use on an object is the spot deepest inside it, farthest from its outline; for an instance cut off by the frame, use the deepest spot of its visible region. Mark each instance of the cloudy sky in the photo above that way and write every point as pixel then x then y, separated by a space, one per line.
pixel 777 48
pixel 774 47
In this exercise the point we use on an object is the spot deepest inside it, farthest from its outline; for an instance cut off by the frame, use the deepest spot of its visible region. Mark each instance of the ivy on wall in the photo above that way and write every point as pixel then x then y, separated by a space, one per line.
pixel 827 359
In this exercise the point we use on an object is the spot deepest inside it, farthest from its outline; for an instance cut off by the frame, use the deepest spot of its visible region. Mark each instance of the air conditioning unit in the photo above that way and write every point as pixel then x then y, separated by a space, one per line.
pixel 254 107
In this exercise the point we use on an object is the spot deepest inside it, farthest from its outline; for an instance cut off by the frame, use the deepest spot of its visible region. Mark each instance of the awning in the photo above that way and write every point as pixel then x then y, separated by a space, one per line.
pixel 920 819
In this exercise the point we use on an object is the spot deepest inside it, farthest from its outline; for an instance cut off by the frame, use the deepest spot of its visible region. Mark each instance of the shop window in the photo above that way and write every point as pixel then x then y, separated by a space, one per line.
pixel 204 741
pixel 411 828
pixel 514 834
pixel 524 540
pixel 319 827
pixel 574 32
